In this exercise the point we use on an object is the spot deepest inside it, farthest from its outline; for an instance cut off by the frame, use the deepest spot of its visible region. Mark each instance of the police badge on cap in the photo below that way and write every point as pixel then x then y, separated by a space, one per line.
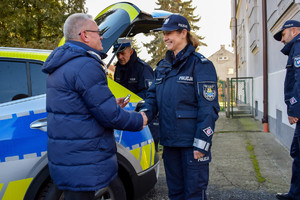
pixel 121 44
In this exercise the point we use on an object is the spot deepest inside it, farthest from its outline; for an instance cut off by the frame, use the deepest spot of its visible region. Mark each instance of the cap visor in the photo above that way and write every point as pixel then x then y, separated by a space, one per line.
pixel 277 36
pixel 121 49
pixel 164 29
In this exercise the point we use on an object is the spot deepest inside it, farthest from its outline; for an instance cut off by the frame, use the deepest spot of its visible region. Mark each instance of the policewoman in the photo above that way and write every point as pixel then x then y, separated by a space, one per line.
pixel 185 94
pixel 289 35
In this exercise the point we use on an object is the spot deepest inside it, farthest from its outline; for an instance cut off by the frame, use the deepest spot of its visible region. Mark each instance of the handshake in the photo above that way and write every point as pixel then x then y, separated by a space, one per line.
pixel 145 119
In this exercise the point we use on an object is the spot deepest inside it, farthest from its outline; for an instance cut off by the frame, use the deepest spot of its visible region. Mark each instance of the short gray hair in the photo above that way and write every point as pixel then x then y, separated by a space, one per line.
pixel 74 24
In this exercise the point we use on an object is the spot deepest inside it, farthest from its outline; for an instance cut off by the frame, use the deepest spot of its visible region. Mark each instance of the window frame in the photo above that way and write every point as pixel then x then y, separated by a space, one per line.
pixel 28 72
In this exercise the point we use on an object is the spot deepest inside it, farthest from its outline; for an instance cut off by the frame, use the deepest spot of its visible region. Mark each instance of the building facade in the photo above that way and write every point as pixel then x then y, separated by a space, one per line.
pixel 224 62
pixel 253 24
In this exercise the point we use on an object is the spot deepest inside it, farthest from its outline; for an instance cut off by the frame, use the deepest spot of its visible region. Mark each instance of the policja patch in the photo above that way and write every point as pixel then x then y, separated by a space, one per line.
pixel 297 61
pixel 209 92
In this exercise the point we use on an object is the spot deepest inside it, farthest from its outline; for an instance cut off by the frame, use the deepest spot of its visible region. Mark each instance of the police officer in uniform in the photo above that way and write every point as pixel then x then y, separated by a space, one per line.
pixel 131 72
pixel 185 94
pixel 290 37
pixel 136 75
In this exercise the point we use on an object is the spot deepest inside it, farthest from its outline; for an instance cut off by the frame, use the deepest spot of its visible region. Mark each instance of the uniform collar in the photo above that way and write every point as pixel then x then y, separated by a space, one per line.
pixel 132 60
pixel 185 52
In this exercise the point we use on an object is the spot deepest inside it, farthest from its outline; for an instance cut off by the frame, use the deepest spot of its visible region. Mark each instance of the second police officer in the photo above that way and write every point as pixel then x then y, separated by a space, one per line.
pixel 289 35
pixel 134 74
pixel 131 72
pixel 185 94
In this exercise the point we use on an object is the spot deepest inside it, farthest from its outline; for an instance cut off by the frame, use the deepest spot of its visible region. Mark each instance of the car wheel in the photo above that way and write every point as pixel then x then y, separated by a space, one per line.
pixel 115 191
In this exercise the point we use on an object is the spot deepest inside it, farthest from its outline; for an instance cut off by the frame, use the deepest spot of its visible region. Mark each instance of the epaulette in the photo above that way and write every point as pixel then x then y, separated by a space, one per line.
pixel 201 57
pixel 142 61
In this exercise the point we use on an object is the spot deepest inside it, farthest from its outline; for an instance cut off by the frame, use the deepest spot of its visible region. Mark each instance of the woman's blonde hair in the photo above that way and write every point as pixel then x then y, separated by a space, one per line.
pixel 193 39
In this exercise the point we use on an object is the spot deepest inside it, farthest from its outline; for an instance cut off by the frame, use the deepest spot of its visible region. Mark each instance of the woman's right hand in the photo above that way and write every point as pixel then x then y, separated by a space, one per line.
pixel 145 119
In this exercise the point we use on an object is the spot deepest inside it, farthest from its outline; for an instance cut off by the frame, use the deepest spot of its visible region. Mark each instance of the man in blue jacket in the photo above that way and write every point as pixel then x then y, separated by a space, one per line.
pixel 290 37
pixel 82 113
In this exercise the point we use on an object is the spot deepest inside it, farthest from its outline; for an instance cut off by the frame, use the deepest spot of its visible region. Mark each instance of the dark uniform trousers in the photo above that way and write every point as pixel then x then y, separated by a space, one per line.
pixel 180 165
pixel 295 154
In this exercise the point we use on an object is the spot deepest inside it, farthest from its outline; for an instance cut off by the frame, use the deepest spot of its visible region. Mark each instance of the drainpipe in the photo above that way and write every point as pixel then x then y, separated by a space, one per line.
pixel 265 67
pixel 235 38
pixel 235 48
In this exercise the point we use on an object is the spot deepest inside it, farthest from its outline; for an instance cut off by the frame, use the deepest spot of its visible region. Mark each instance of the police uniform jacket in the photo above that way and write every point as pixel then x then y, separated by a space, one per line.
pixel 292 78
pixel 136 75
pixel 184 92
pixel 82 113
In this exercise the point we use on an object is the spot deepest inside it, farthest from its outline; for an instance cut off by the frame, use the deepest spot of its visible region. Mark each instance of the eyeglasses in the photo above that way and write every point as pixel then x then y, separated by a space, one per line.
pixel 99 32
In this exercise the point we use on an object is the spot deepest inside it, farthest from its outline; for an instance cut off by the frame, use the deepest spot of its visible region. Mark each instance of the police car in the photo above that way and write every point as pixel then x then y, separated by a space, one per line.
pixel 24 171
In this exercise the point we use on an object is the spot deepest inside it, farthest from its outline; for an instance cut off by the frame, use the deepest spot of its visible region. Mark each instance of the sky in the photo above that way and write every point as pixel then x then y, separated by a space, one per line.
pixel 214 24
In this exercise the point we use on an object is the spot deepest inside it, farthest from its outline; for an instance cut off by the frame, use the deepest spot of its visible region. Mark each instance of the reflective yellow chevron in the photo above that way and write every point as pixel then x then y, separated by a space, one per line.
pixel 147 153
pixel 153 153
pixel 146 157
pixel 16 189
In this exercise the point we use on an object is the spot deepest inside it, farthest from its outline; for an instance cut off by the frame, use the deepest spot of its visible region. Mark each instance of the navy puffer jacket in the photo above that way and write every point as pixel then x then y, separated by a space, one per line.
pixel 82 113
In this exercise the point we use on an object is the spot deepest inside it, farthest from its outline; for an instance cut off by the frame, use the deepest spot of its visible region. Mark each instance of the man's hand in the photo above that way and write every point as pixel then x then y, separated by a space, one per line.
pixel 145 119
pixel 121 103
pixel 198 155
pixel 293 120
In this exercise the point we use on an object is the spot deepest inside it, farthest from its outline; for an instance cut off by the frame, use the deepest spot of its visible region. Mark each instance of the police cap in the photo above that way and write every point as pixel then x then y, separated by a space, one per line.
pixel 174 22
pixel 121 44
pixel 287 24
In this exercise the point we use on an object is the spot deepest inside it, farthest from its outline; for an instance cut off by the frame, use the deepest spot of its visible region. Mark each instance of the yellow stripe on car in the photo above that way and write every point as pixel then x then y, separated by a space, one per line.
pixel 133 13
pixel 25 55
pixel 119 91
pixel 16 189
pixel 145 155
pixel 153 153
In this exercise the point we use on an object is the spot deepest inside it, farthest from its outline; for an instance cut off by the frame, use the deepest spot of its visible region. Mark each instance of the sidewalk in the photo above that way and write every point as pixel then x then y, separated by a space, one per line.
pixel 232 172
pixel 247 164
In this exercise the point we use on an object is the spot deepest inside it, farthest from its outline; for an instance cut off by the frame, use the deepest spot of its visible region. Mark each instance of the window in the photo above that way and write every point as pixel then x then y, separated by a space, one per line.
pixel 38 79
pixel 13 80
pixel 223 58
pixel 230 71
pixel 20 77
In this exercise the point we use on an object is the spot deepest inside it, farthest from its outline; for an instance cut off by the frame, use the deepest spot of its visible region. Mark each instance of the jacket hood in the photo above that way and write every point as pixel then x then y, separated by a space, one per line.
pixel 67 52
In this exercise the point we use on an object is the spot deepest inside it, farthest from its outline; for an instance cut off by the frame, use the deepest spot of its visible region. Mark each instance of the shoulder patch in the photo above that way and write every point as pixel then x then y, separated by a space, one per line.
pixel 297 61
pixel 209 92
